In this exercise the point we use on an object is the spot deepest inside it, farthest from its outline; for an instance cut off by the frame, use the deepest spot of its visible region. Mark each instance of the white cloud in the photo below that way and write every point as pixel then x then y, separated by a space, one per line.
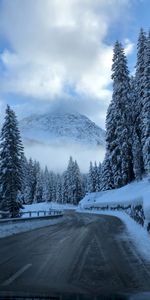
pixel 52 156
pixel 129 47
pixel 57 43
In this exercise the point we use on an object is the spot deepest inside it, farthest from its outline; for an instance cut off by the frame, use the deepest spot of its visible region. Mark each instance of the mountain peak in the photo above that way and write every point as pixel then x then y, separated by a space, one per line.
pixel 60 128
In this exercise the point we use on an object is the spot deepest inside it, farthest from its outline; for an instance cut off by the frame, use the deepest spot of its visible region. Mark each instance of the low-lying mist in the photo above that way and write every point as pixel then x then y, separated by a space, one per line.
pixel 56 156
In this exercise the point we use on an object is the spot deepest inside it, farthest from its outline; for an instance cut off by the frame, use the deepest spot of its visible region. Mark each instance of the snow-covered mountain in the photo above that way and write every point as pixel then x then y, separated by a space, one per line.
pixel 61 128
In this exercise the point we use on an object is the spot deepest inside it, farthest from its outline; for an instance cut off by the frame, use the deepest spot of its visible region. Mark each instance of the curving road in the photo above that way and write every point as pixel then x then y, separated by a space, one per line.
pixel 83 254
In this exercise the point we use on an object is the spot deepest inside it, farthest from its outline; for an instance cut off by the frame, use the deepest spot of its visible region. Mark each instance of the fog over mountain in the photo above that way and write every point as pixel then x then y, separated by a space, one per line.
pixel 52 137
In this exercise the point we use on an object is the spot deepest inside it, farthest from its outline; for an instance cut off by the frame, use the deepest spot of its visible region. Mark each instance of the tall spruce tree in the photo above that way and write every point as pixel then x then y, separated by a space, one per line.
pixel 38 195
pixel 146 108
pixel 96 177
pixel 10 163
pixel 78 192
pixel 139 89
pixel 118 122
pixel 24 194
pixel 71 181
pixel 136 144
pixel 107 182
pixel 99 176
pixel 58 188
pixel 46 195
pixel 91 179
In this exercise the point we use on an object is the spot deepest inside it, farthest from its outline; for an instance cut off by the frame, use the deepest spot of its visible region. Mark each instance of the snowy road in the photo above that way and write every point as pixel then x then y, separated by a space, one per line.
pixel 83 254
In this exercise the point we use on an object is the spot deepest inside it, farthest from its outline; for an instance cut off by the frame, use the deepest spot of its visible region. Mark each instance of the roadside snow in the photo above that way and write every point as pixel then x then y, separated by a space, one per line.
pixel 134 193
pixel 138 235
pixel 13 228
pixel 46 206
pixel 23 226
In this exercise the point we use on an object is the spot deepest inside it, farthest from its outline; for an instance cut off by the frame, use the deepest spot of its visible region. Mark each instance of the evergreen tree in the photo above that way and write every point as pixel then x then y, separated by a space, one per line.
pixel 10 163
pixel 72 183
pixel 52 182
pixel 106 177
pixel 38 195
pixel 78 192
pixel 96 177
pixel 118 122
pixel 99 179
pixel 84 183
pixel 65 187
pixel 91 187
pixel 24 194
pixel 139 89
pixel 46 196
pixel 146 109
pixel 136 145
pixel 58 189
pixel 32 181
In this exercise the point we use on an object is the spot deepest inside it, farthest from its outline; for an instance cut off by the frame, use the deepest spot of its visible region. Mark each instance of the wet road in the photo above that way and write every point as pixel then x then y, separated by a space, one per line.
pixel 83 254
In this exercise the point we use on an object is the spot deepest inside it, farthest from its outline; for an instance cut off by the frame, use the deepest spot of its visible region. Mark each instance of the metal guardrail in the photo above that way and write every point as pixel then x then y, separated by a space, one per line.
pixel 40 215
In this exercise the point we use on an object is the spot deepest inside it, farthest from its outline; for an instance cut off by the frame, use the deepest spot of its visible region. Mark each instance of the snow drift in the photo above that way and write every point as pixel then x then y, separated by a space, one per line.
pixel 133 194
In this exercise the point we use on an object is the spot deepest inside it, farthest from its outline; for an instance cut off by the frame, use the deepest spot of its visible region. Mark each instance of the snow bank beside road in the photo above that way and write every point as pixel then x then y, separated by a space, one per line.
pixel 23 226
pixel 46 206
pixel 135 193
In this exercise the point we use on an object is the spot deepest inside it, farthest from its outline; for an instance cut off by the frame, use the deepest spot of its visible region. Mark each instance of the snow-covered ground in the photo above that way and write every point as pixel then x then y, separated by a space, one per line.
pixel 13 228
pixel 134 193
pixel 46 206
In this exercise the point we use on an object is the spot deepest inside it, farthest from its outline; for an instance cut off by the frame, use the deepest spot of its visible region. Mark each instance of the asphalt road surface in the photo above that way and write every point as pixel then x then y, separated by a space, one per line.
pixel 82 254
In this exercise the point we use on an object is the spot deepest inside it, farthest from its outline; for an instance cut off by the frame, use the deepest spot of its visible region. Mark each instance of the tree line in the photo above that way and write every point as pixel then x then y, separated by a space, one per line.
pixel 127 155
pixel 128 118
pixel 22 181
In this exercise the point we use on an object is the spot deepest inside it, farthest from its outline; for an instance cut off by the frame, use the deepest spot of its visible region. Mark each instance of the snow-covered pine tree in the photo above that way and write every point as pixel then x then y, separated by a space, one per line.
pixel 38 195
pixel 91 179
pixel 65 187
pixel 72 190
pixel 146 108
pixel 118 122
pixel 136 144
pixel 71 180
pixel 96 177
pixel 46 196
pixel 106 177
pixel 32 180
pixel 10 164
pixel 84 183
pixel 36 174
pixel 58 188
pixel 99 176
pixel 24 194
pixel 52 181
pixel 111 149
pixel 78 192
pixel 139 88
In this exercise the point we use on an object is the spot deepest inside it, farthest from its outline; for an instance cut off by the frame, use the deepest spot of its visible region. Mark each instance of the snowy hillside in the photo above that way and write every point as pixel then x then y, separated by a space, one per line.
pixel 134 193
pixel 61 128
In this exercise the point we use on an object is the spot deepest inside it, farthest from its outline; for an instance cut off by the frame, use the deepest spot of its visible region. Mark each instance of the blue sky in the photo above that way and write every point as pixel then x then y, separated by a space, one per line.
pixel 56 54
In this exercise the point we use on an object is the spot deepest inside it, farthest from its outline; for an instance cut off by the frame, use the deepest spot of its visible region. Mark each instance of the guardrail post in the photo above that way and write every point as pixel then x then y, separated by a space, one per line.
pixel 30 214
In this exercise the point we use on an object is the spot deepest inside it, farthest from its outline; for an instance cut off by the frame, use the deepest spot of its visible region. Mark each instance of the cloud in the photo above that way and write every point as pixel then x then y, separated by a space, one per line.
pixel 52 156
pixel 129 47
pixel 57 44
